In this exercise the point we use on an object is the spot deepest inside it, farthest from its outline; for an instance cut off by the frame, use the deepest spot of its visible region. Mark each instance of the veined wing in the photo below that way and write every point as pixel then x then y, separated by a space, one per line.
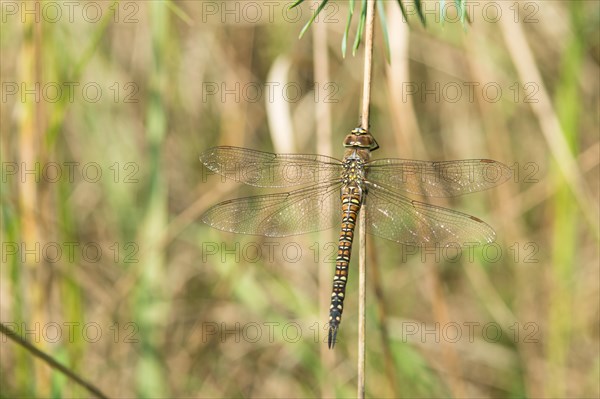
pixel 264 169
pixel 438 179
pixel 279 215
pixel 397 218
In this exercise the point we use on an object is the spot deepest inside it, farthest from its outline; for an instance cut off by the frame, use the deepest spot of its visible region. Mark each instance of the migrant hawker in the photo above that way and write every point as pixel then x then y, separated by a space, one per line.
pixel 330 187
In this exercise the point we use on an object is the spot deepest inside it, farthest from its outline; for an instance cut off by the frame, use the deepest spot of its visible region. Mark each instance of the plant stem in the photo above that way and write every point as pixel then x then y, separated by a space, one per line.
pixel 362 239
pixel 51 362
pixel 368 66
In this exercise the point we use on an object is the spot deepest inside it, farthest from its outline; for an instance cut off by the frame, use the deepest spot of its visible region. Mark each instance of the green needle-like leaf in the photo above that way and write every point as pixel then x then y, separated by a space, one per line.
pixel 462 10
pixel 386 39
pixel 419 7
pixel 361 26
pixel 403 10
pixel 309 23
pixel 296 3
pixel 347 30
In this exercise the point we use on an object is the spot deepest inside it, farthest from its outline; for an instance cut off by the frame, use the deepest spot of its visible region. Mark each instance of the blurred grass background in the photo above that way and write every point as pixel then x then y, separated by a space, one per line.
pixel 172 308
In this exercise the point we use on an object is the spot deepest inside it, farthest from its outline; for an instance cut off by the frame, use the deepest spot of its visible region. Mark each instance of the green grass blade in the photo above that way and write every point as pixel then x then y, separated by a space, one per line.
pixel 180 12
pixel 150 378
pixel 565 255
pixel 443 12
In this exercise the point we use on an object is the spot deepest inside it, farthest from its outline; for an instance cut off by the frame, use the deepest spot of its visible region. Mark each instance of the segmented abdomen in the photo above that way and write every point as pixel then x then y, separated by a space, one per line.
pixel 351 202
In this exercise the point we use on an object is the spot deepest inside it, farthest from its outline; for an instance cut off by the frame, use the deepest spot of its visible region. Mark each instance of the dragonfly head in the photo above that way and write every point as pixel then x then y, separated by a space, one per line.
pixel 360 138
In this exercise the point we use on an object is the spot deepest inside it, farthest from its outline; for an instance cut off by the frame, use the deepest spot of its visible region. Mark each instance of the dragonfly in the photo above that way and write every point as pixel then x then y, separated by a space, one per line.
pixel 330 192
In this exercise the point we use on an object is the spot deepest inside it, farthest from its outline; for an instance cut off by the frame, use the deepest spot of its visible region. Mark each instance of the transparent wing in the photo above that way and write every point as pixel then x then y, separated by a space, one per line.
pixel 438 179
pixel 264 169
pixel 279 215
pixel 397 218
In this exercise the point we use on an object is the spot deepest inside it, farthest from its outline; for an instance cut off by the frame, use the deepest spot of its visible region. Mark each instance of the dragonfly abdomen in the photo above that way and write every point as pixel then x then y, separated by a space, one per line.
pixel 351 203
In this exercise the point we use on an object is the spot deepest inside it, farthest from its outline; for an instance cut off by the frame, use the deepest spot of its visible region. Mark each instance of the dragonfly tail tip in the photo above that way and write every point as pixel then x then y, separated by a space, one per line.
pixel 332 337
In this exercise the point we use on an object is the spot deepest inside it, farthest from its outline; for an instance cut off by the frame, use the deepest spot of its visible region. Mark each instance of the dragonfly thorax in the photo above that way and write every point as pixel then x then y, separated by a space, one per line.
pixel 359 144
pixel 354 168
pixel 360 138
